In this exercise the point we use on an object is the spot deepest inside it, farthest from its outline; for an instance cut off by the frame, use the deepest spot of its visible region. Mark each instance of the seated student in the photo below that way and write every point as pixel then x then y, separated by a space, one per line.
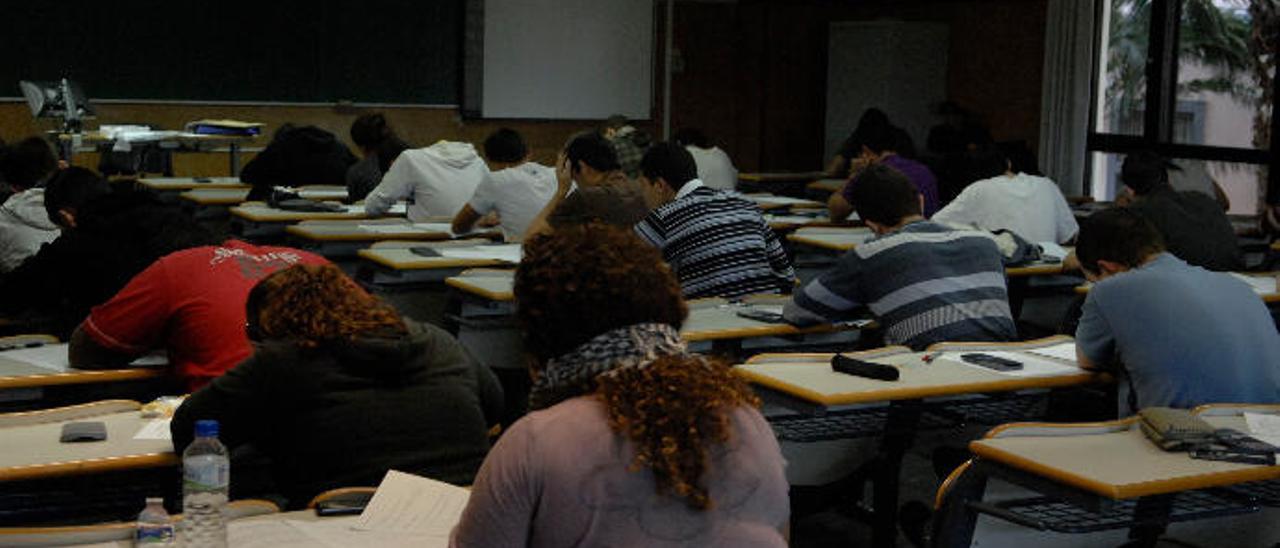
pixel 628 142
pixel 189 303
pixel 590 186
pixel 925 282
pixel 107 236
pixel 1031 207
pixel 297 155
pixel 1191 175
pixel 843 164
pixel 718 243
pixel 24 226
pixel 515 188
pixel 1180 335
pixel 632 440
pixel 340 389
pixel 1192 224
pixel 877 147
pixel 715 169
pixel 440 178
pixel 380 146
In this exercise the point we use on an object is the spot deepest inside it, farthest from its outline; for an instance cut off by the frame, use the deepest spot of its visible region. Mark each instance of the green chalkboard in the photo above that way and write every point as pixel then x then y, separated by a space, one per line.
pixel 321 51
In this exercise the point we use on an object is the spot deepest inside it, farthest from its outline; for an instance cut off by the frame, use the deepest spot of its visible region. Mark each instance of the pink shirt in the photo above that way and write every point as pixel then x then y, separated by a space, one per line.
pixel 559 477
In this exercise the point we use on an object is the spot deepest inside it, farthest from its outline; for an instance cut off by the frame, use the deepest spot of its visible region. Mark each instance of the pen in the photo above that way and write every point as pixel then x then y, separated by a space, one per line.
pixel 930 356
pixel 32 344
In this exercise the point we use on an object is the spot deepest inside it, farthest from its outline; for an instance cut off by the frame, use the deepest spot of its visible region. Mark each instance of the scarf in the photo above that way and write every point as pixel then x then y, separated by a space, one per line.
pixel 573 374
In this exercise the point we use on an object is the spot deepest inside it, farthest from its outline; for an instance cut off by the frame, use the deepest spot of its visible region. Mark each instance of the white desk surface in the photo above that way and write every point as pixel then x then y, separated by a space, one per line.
pixel 833 238
pixel 20 374
pixel 33 451
pixel 374 230
pixel 274 530
pixel 190 183
pixel 262 213
pixel 1268 296
pixel 401 259
pixel 771 201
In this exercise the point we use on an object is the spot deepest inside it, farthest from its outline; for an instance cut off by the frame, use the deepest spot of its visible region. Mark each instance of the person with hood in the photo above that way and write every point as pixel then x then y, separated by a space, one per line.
pixel 341 389
pixel 298 155
pixel 440 178
pixel 24 226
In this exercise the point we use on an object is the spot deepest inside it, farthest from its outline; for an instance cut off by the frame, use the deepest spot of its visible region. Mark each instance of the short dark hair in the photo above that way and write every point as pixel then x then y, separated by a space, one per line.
pixel 591 148
pixel 370 130
pixel 26 163
pixel 670 162
pixel 691 136
pixel 617 121
pixel 877 137
pixel 1144 171
pixel 1120 235
pixel 505 145
pixel 72 188
pixel 884 195
pixel 985 162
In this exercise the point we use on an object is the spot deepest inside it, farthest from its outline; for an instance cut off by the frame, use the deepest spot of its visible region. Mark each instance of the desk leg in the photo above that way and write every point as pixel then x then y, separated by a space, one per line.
pixel 900 432
pixel 956 520
pixel 234 153
pixel 1151 515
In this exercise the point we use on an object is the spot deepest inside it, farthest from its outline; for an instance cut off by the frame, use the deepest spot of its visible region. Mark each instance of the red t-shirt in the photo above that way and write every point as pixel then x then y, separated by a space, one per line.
pixel 191 303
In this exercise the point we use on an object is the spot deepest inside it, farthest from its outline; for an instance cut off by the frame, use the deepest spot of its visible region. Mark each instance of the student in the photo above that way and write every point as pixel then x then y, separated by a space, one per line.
pixel 715 169
pixel 718 243
pixel 877 147
pixel 628 143
pixel 1001 199
pixel 590 187
pixel 1180 335
pixel 189 303
pixel 340 389
pixel 1191 175
pixel 24 225
pixel 515 188
pixel 380 147
pixel 632 440
pixel 440 178
pixel 107 236
pixel 844 163
pixel 925 282
pixel 1193 225
pixel 297 155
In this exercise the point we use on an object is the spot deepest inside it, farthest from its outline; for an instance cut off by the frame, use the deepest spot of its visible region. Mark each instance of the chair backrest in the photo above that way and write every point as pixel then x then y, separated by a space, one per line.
pixel 72 412
pixel 342 494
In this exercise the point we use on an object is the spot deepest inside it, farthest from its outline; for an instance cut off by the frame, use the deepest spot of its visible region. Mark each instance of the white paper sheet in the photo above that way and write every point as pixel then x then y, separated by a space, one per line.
pixel 1264 427
pixel 156 429
pixel 409 503
pixel 502 252
pixel 778 200
pixel 322 193
pixel 1262 285
pixel 54 357
pixel 268 533
pixel 1032 366
pixel 1052 251
pixel 794 219
pixel 1062 351
pixel 399 208
pixel 770 308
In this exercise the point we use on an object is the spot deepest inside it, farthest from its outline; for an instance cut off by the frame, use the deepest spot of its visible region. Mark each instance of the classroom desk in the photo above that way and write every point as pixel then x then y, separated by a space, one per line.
pixel 20 375
pixel 841 239
pixel 181 184
pixel 826 186
pixel 772 202
pixel 782 177
pixel 1100 476
pixel 257 219
pixel 341 239
pixel 394 264
pixel 1269 293
pixel 785 223
pixel 236 195
pixel 169 141
pixel 830 405
pixel 32 451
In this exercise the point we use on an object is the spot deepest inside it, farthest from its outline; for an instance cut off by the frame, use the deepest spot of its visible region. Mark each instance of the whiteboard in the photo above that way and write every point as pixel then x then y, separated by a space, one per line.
pixel 567 59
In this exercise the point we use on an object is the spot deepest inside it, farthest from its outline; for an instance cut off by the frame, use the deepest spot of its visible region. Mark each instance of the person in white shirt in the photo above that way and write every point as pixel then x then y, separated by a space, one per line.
pixel 715 169
pixel 1027 205
pixel 515 188
pixel 440 178
pixel 24 222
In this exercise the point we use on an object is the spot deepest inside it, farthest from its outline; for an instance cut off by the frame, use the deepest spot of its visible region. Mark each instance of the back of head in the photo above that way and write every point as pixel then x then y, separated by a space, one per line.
pixel 691 137
pixel 1144 171
pixel 27 163
pixel 873 117
pixel 877 137
pixel 506 146
pixel 370 130
pixel 1119 235
pixel 150 226
pixel 985 162
pixel 592 149
pixel 670 162
pixel 1021 158
pixel 617 121
pixel 581 281
pixel 70 189
pixel 313 305
pixel 884 195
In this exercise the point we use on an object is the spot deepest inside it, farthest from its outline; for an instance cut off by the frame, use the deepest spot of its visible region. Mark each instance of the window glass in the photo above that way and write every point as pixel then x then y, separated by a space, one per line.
pixel 1122 84
pixel 1222 74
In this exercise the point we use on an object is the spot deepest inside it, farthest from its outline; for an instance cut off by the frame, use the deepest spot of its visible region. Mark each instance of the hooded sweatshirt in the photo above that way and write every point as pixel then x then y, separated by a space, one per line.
pixel 343 414
pixel 304 155
pixel 24 227
pixel 440 178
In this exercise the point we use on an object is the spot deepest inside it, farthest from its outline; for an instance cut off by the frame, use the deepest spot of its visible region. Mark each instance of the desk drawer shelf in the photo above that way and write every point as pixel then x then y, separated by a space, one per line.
pixel 1051 514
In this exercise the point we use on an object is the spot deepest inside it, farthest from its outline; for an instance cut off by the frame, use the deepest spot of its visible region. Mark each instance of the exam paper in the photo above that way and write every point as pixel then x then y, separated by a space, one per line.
pixel 1264 427
pixel 1062 351
pixel 157 429
pixel 502 252
pixel 413 504
pixel 1032 366
pixel 268 533
pixel 340 534
pixel 1261 285
pixel 1052 251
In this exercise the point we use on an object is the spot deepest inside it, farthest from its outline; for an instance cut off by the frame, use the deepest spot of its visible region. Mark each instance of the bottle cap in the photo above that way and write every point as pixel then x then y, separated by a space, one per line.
pixel 207 429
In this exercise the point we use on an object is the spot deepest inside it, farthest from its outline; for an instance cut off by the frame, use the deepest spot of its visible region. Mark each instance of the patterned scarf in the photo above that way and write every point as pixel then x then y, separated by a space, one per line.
pixel 573 374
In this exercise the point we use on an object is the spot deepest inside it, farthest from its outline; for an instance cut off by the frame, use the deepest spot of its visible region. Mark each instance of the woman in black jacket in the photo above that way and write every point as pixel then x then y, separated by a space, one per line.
pixel 341 389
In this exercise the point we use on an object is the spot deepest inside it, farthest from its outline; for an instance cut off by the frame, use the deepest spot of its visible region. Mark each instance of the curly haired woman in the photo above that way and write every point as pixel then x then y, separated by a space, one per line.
pixel 631 440
pixel 340 389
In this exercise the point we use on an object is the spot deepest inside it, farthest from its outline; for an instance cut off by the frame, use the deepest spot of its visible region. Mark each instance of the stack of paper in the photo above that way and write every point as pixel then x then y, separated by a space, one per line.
pixel 502 252
pixel 1262 285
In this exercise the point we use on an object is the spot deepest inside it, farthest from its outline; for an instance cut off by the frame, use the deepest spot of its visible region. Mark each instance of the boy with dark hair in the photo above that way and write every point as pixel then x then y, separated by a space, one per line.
pixel 1193 225
pixel 590 187
pixel 515 189
pixel 925 282
pixel 1186 336
pixel 24 227
pixel 717 243
pixel 297 155
pixel 878 145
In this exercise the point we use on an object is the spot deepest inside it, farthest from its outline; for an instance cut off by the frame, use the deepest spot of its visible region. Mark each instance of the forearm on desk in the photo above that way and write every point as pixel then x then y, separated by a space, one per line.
pixel 84 352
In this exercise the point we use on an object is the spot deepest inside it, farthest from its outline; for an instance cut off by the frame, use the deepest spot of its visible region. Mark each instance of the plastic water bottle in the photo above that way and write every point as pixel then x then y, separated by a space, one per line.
pixel 206 474
pixel 154 527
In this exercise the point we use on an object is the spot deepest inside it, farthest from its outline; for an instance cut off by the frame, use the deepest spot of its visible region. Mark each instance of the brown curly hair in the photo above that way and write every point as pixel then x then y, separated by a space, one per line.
pixel 317 304
pixel 582 281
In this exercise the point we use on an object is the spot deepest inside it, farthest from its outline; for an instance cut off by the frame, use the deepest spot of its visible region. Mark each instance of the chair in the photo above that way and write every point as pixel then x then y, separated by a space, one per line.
pixel 343 494
pixel 111 532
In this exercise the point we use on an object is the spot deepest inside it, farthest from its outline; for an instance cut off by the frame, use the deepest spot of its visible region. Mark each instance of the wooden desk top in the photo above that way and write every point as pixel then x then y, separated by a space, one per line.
pixel 401 258
pixel 809 376
pixel 782 177
pixel 1113 459
pixel 1272 296
pixel 33 451
pixel 190 183
pixel 788 222
pixel 20 374
pixel 216 196
pixel 262 213
pixel 827 185
pixel 495 285
pixel 369 230
pixel 832 238
pixel 769 202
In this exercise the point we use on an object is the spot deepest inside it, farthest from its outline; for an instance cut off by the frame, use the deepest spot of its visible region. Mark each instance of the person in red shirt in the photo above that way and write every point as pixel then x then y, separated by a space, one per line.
pixel 191 303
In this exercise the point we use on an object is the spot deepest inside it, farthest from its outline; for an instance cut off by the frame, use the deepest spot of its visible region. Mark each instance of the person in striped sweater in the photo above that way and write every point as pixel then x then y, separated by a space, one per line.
pixel 717 242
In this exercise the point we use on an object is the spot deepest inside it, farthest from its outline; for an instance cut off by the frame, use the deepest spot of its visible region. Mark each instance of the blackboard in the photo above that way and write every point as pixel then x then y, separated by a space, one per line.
pixel 309 51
